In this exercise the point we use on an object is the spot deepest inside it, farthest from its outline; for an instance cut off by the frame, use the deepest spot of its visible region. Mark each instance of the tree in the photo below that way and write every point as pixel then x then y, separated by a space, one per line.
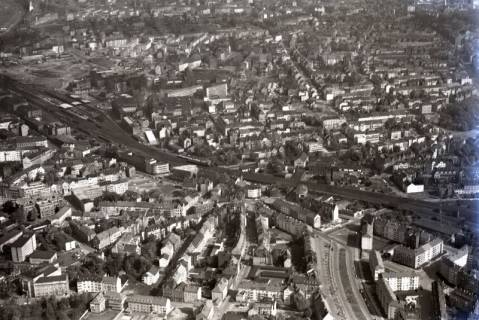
pixel 7 289
pixel 50 310
pixel 113 264
pixel 300 301
pixel 308 313
pixel 36 311
pixel 62 315
pixel 50 178
pixel 79 303
pixel 135 266
pixel 150 249
pixel 130 195
pixel 64 304
pixel 292 149
pixel 107 196
pixel 415 148
pixel 10 207
pixel 94 265
pixel 19 215
pixel 27 311
pixel 32 215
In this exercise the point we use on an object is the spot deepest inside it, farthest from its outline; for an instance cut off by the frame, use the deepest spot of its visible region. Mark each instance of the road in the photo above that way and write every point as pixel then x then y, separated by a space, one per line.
pixel 334 270
pixel 352 255
pixel 340 286
pixel 344 273
pixel 340 283
pixel 328 285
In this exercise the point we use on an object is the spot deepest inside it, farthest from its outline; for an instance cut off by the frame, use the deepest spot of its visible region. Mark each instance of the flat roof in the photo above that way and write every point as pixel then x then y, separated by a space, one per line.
pixel 42 254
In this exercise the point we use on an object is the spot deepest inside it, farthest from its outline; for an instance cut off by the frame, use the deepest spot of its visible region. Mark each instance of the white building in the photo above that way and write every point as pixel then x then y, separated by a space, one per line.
pixel 58 218
pixel 155 168
pixel 376 264
pixel 416 258
pixel 314 146
pixel 401 282
pixel 253 192
pixel 386 287
pixel 107 284
pixel 254 291
pixel 23 247
pixel 149 304
pixel 459 256
pixel 119 187
pixel 414 188
pixel 151 276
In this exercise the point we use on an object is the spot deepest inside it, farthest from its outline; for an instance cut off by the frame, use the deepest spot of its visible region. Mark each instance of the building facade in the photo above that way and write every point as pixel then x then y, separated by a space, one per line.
pixel 149 304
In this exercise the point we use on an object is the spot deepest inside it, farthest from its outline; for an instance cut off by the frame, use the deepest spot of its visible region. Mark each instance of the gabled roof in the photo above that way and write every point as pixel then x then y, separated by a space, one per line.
pixel 153 270
pixel 20 242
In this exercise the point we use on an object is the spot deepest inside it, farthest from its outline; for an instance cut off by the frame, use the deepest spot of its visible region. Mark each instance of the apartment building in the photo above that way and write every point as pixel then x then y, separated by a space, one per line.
pixel 107 237
pixel 259 290
pixel 52 286
pixel 106 284
pixel 401 282
pixel 297 212
pixel 416 258
pixel 149 304
pixel 23 247
pixel 386 288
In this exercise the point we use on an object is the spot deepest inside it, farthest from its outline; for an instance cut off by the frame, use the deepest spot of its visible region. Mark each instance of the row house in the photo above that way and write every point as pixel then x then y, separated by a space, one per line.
pixel 115 208
pixel 82 232
pixel 149 304
pixel 7 155
pixel 372 137
pixel 290 224
pixel 305 285
pixel 255 291
pixel 297 212
pixel 127 244
pixel 106 284
pixel 107 237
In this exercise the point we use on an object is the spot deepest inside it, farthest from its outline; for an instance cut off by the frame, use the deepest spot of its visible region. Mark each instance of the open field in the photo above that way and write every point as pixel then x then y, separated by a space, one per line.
pixel 11 12
pixel 55 73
